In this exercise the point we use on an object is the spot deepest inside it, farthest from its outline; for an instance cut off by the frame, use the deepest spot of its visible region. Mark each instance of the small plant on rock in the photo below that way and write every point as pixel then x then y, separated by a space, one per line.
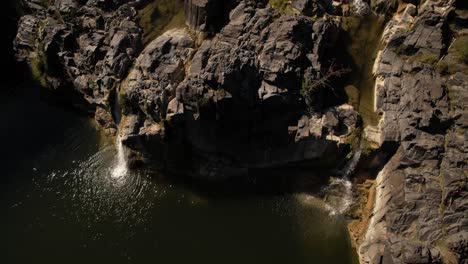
pixel 311 86
pixel 323 81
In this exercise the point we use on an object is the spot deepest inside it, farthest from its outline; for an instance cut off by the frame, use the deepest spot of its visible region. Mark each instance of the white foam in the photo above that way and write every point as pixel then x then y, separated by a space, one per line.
pixel 120 168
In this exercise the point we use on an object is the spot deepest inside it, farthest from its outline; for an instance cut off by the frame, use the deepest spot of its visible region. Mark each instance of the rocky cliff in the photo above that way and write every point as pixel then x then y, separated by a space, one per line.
pixel 230 100
pixel 254 85
pixel 259 90
pixel 420 214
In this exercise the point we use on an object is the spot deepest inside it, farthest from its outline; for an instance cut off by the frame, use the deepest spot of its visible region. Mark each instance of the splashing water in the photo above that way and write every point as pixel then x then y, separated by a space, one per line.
pixel 361 8
pixel 352 164
pixel 120 167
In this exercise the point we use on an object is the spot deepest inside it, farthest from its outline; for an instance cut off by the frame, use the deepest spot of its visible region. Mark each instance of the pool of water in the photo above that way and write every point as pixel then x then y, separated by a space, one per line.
pixel 62 203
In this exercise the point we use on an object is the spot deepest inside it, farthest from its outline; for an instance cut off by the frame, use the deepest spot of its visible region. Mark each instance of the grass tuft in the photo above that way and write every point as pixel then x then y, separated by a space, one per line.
pixel 460 49
pixel 282 6
pixel 39 68
pixel 456 59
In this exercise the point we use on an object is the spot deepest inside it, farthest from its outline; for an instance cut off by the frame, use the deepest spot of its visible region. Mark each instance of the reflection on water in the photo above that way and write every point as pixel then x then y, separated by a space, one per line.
pixel 64 204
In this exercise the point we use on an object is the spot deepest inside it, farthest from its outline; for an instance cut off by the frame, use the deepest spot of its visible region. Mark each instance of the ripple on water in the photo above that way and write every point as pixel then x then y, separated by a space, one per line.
pixel 93 195
pixel 117 214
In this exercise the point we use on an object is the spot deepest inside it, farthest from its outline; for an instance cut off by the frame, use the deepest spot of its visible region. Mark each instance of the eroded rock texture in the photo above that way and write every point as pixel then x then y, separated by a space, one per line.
pixel 313 7
pixel 208 15
pixel 81 47
pixel 213 107
pixel 245 96
pixel 420 215
pixel 228 105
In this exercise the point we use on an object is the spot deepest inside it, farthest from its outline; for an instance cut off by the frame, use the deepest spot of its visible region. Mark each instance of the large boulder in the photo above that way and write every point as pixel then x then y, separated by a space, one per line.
pixel 230 106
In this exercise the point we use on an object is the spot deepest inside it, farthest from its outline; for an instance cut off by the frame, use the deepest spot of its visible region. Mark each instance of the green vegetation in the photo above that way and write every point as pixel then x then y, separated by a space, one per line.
pixel 159 16
pixel 455 98
pixel 282 6
pixel 307 87
pixel 353 96
pixel 44 3
pixel 40 68
pixel 460 49
pixel 456 59
pixel 124 102
pixel 424 57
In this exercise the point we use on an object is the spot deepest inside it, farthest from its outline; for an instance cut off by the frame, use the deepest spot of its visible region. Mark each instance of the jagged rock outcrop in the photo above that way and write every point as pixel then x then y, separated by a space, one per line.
pixel 148 89
pixel 240 94
pixel 81 47
pixel 420 215
pixel 247 95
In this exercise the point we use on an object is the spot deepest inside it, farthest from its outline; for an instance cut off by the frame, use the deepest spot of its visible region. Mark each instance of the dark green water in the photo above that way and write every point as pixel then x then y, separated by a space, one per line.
pixel 60 205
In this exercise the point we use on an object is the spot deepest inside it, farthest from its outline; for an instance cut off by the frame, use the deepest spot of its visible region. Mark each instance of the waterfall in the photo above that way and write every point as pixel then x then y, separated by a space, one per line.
pixel 348 170
pixel 120 167
pixel 346 199
pixel 352 164
pixel 340 195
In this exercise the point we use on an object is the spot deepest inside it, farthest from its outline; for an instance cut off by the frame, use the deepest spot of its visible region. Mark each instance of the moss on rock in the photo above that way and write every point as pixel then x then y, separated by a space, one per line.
pixel 160 16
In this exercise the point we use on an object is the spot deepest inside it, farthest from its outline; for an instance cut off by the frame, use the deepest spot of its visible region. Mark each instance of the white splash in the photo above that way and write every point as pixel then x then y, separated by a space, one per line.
pixel 347 199
pixel 120 167
pixel 361 8
pixel 341 203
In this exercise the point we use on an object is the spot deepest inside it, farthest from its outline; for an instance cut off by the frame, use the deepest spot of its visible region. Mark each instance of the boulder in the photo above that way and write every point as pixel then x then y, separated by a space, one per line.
pixel 236 95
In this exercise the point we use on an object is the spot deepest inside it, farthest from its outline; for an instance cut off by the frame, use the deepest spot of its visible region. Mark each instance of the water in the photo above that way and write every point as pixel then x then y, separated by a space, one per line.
pixel 64 199
pixel 120 167
pixel 361 7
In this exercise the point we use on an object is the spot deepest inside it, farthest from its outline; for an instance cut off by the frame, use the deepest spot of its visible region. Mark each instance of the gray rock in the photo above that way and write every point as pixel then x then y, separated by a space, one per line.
pixel 313 7
pixel 244 75
pixel 423 213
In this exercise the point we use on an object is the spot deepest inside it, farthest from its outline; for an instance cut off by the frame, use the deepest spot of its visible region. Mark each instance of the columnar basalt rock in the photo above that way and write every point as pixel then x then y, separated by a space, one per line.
pixel 196 13
pixel 420 215
pixel 208 15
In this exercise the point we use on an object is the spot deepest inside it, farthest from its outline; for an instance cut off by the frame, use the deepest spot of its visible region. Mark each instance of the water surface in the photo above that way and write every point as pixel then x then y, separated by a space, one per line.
pixel 61 203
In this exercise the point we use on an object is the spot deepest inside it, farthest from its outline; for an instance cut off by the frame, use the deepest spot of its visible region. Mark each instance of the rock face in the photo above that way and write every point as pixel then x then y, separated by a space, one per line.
pixel 420 215
pixel 258 90
pixel 85 48
pixel 247 97
pixel 313 7
pixel 239 94
pixel 208 15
